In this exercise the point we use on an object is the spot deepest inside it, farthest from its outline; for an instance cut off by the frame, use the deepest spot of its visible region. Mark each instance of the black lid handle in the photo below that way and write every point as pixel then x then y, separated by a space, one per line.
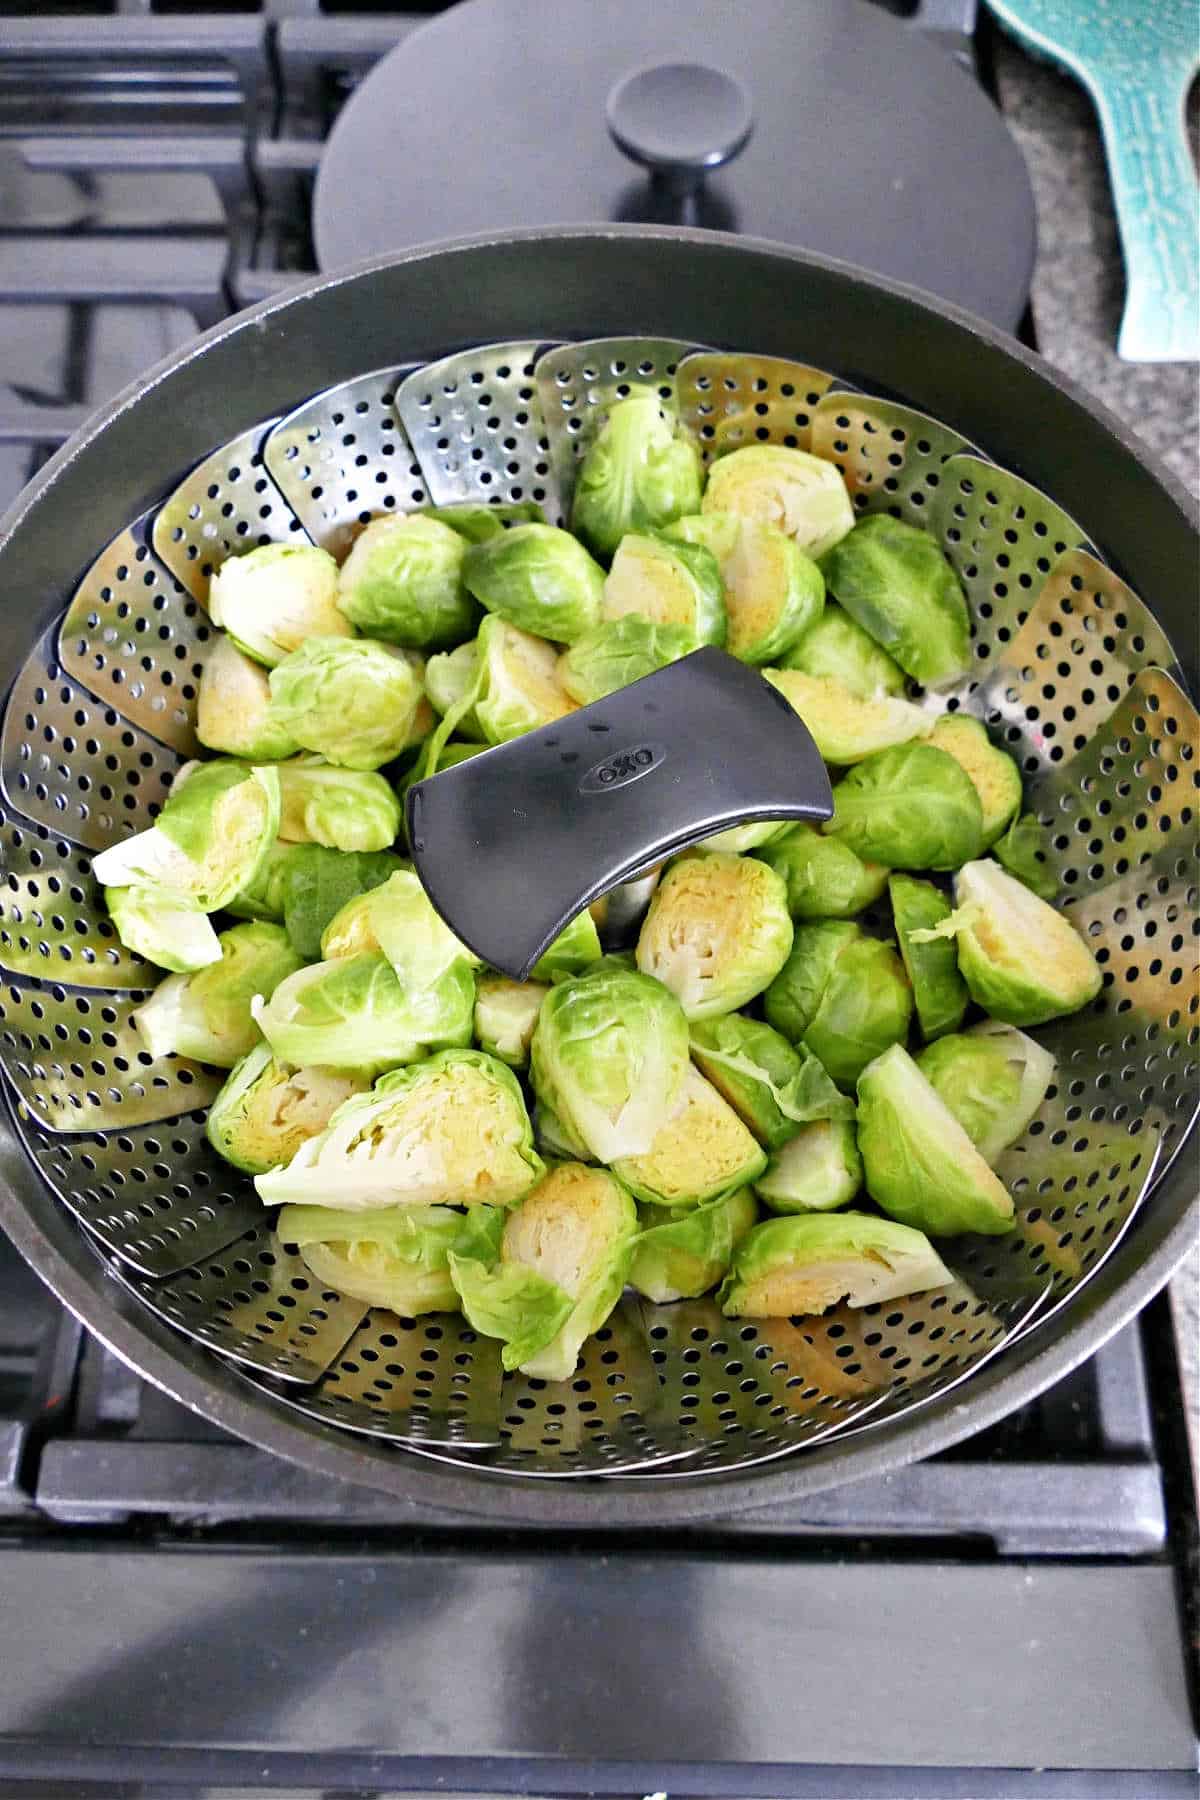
pixel 679 120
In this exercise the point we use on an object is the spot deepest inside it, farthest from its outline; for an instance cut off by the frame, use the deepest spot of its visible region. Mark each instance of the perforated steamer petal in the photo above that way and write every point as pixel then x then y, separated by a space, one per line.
pixel 672 1391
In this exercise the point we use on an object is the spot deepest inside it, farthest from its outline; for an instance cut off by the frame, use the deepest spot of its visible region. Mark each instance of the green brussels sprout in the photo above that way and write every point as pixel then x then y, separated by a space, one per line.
pixel 393 1256
pixel 773 592
pixel 768 1084
pixel 273 599
pixel 689 1253
pixel 818 1170
pixel 554 1141
pixel 516 689
pixel 667 583
pixel 449 678
pixel 789 1267
pixel 701 1149
pixel 356 702
pixel 476 524
pixel 920 1164
pixel 717 931
pixel 411 932
pixel 609 1059
pixel 573 951
pixel 319 883
pixel 1022 962
pixel 210 840
pixel 564 1259
pixel 165 928
pixel 641 472
pixel 836 645
pixel 263 897
pixel 797 493
pixel 939 991
pixel 351 929
pixel 894 579
pixel 913 807
pixel 1023 852
pixel 619 651
pixel 234 715
pixel 267 1109
pixel 842 996
pixel 354 1012
pixel 996 777
pixel 403 583
pixel 450 1131
pixel 739 839
pixel 343 809
pixel 993 1078
pixel 845 726
pixel 506 1013
pixel 209 1015
pixel 538 578
pixel 823 877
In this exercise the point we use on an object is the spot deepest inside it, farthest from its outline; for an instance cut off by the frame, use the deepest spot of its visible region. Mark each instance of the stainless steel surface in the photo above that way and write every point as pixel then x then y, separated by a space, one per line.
pixel 729 402
pixel 577 383
pixel 891 457
pixel 474 426
pixel 227 503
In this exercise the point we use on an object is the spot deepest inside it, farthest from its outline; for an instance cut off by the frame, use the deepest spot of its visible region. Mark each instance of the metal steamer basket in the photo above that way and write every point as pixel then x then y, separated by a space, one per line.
pixel 166 1253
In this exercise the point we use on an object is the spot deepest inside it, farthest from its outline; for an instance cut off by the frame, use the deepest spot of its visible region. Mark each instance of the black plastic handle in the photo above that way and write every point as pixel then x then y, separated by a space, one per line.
pixel 679 120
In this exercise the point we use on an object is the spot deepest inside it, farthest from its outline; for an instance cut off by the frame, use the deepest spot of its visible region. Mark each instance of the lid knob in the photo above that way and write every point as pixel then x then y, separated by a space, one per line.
pixel 679 120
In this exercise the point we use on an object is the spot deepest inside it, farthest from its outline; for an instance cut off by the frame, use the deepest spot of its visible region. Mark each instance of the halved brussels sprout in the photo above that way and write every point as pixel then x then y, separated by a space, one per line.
pixel 538 578
pixel 739 840
pixel 1023 851
pixel 689 1252
pixel 847 726
pixel 818 1170
pixel 573 952
pixel 208 1015
pixel 619 651
pixel 641 472
pixel 393 1256
pixel 554 1141
pixel 403 582
pixel 263 897
pixel 913 807
pixel 412 934
pixel 837 645
pixel 610 1055
pixel 773 592
pixel 939 991
pixel 667 583
pixel 701 1149
pixel 842 996
pixel 995 775
pixel 476 524
pixel 165 928
pixel 234 714
pixel 450 1131
pixel 317 885
pixel 894 579
pixel 355 1013
pixel 516 689
pixel 449 679
pixel 798 493
pixel 920 1164
pixel 210 839
pixel 356 702
pixel 768 1084
pixel 351 930
pixel 807 1264
pixel 267 1109
pixel 273 599
pixel 506 1013
pixel 717 931
pixel 823 877
pixel 343 809
pixel 1023 962
pixel 993 1078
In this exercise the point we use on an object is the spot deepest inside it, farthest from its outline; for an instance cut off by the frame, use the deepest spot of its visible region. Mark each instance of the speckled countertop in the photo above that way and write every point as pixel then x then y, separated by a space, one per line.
pixel 1078 292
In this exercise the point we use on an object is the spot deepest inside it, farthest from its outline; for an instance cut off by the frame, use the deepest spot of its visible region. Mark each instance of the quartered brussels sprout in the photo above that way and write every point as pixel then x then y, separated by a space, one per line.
pixel 798 493
pixel 393 1256
pixel 538 578
pixel 913 807
pixel 773 592
pixel 449 679
pixel 273 599
pixel 995 775
pixel 403 582
pixel 688 1252
pixel 1023 962
pixel 234 715
pixel 267 1109
pixel 1024 853
pixel 939 991
pixel 836 645
pixel 619 651
pixel 770 1085
pixel 717 932
pixel 641 472
pixel 564 1258
pixel 355 1013
pixel 920 1164
pixel 993 1078
pixel 263 896
pixel 818 1170
pixel 845 726
pixel 210 840
pixel 609 1059
pixel 165 928
pixel 824 878
pixel 894 579
pixel 653 577
pixel 808 1264
pixel 449 1131
pixel 318 884
pixel 701 1149
pixel 356 702
pixel 476 524
pixel 208 1015
pixel 842 996
pixel 506 1013
pixel 343 809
